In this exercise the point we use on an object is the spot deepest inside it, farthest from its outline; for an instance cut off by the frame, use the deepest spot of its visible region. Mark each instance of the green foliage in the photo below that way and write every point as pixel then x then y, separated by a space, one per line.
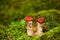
pixel 17 9
pixel 13 12
pixel 2 31
pixel 51 16
pixel 18 24
pixel 16 30
pixel 53 34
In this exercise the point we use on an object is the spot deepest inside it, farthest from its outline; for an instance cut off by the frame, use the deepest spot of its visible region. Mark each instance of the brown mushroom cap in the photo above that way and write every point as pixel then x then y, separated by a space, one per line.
pixel 41 20
pixel 28 18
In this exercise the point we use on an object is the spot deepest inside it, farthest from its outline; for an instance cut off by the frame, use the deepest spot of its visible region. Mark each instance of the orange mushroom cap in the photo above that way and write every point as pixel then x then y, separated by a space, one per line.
pixel 28 18
pixel 41 20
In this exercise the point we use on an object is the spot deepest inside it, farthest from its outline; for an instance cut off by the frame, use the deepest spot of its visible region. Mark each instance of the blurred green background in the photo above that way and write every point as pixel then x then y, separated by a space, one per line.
pixel 13 12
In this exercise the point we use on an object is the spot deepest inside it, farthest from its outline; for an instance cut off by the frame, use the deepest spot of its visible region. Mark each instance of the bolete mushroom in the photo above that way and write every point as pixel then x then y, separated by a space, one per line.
pixel 29 20
pixel 40 23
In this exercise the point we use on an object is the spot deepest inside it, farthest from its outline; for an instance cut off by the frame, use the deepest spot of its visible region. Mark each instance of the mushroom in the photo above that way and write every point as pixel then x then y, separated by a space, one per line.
pixel 29 20
pixel 40 23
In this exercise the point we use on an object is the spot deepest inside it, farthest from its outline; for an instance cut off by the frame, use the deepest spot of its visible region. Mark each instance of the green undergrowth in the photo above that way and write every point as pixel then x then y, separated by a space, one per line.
pixel 16 29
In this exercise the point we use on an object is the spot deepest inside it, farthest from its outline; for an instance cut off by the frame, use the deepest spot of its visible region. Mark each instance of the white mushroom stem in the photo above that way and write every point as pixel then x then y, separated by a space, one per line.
pixel 39 28
pixel 29 28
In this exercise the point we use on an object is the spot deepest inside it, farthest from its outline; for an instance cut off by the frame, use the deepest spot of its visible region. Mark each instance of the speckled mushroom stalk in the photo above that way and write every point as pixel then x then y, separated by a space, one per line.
pixel 40 23
pixel 29 25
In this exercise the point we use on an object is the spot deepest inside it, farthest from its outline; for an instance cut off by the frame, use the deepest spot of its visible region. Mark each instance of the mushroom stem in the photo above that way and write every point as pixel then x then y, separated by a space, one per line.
pixel 39 28
pixel 29 28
